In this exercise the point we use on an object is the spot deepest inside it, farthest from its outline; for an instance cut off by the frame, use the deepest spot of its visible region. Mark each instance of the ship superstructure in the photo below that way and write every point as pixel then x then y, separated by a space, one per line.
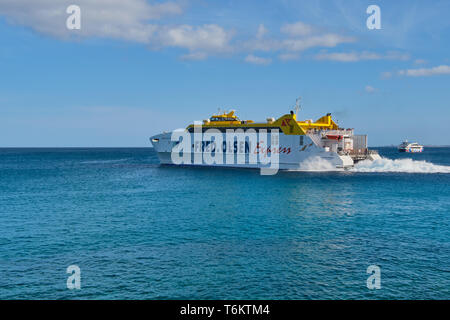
pixel 410 147
pixel 296 143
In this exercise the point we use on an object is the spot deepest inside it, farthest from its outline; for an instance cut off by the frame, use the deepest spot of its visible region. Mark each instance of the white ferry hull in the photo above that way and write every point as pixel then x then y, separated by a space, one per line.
pixel 411 150
pixel 294 153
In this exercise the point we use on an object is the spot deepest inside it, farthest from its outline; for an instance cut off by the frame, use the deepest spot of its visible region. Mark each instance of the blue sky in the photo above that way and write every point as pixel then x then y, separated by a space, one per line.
pixel 136 68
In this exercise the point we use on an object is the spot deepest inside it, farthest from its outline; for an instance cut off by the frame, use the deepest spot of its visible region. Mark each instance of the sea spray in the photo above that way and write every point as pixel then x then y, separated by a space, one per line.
pixel 317 164
pixel 399 165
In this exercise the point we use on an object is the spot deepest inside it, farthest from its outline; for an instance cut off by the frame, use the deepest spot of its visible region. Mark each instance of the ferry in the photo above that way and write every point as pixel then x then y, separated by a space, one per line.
pixel 294 142
pixel 410 147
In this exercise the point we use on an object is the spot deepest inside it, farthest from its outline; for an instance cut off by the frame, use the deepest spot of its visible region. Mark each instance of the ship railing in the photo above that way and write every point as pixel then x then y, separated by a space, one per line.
pixel 324 133
pixel 340 132
pixel 362 151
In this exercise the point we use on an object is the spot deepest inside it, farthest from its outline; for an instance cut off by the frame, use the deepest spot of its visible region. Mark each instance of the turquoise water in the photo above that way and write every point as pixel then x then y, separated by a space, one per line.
pixel 141 231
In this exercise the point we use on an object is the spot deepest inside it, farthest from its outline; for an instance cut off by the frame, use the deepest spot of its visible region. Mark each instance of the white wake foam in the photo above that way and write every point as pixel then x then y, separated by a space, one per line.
pixel 399 165
pixel 317 164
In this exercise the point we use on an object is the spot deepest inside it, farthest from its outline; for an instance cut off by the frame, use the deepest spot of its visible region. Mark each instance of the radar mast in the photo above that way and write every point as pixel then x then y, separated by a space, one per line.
pixel 297 105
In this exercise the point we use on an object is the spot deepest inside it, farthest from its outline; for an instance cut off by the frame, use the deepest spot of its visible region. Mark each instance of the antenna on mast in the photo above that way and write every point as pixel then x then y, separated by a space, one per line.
pixel 297 105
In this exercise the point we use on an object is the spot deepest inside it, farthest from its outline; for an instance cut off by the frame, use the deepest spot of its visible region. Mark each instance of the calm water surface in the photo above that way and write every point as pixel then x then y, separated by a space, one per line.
pixel 141 231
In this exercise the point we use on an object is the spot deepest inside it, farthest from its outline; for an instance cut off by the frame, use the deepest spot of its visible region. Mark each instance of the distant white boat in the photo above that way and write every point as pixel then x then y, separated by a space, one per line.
pixel 410 147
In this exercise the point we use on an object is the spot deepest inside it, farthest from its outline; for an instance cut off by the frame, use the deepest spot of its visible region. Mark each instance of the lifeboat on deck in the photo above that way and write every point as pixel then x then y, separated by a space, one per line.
pixel 334 137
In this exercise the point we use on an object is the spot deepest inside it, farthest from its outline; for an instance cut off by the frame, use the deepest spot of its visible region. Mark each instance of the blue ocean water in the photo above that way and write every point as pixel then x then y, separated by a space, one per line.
pixel 138 230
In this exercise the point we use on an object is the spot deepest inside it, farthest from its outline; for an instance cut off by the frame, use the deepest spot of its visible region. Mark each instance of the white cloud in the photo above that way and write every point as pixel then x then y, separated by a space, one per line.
pixel 325 40
pixel 126 20
pixel 360 56
pixel 386 75
pixel 294 37
pixel 260 44
pixel 297 29
pixel 194 56
pixel 262 31
pixel 345 56
pixel 139 21
pixel 395 55
pixel 257 60
pixel 289 56
pixel 420 61
pixel 209 37
pixel 131 20
pixel 425 72
pixel 370 89
pixel 297 44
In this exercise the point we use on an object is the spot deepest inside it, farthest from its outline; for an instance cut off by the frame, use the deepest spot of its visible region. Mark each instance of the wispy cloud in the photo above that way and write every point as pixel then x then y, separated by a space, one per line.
pixel 425 72
pixel 360 56
pixel 328 40
pixel 143 22
pixel 126 20
pixel 257 60
pixel 297 29
pixel 347 56
pixel 370 89
pixel 386 75
pixel 292 39
pixel 420 61
pixel 262 31
pixel 194 56
pixel 289 56
pixel 207 38
pixel 132 20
